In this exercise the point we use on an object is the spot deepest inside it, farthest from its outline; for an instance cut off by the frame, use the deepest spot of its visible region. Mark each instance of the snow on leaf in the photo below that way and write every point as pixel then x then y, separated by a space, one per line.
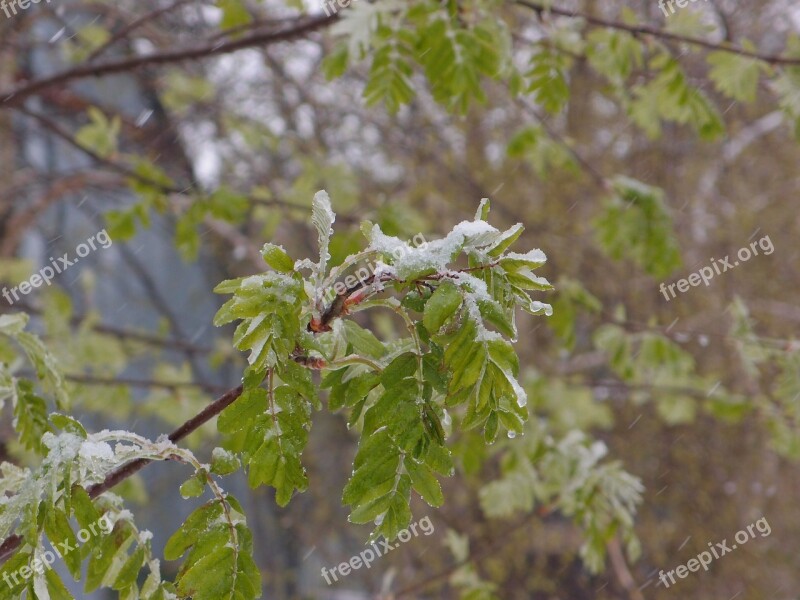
pixel 436 255
pixel 13 324
pixel 322 217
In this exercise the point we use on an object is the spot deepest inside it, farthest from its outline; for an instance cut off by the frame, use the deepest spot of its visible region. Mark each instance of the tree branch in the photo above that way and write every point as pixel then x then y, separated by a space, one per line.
pixel 133 25
pixel 125 171
pixel 621 570
pixel 773 59
pixel 302 26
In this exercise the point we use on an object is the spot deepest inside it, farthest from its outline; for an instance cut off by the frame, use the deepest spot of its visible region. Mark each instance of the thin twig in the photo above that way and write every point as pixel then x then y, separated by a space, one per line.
pixel 772 59
pixel 303 26
pixel 622 571
pixel 133 25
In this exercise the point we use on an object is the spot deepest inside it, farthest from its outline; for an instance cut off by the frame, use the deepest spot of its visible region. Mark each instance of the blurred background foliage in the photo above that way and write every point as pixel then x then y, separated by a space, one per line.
pixel 631 152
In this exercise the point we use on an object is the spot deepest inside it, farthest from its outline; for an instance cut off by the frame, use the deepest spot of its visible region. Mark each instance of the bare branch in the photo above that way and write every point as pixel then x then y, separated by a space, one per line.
pixel 302 26
pixel 540 8
pixel 133 25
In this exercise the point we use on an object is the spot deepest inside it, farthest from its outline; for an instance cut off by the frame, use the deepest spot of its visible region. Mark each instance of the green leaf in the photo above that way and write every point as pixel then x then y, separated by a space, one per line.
pixel 493 313
pixel 68 424
pixel 194 487
pixel 224 462
pixel 455 58
pixel 352 391
pixel 614 54
pixel 377 461
pixel 400 369
pixel 635 224
pixel 129 572
pixel 121 225
pixel 335 63
pixel 433 424
pixel 734 75
pixel 14 324
pixel 483 210
pixel 275 441
pixel 56 587
pixel 523 278
pixel 219 564
pixel 47 367
pixel 30 416
pixel 548 80
pixel 676 409
pixel 572 298
pixel 190 531
pixel 83 508
pixel 389 79
pixel 59 531
pixel 398 515
pixel 227 205
pixel 378 490
pixel 238 416
pixel 100 135
pixel 322 217
pixel 234 13
pixel 515 262
pixel 183 91
pixel 442 305
pixel 670 97
pixel 490 431
pixel 269 306
pixel 484 377
pixel 187 238
pixel 364 341
pixel 108 555
pixel 617 346
pixel 568 474
pixel 689 23
pixel 276 257
pixel 17 561
pixel 424 482
pixel 545 154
